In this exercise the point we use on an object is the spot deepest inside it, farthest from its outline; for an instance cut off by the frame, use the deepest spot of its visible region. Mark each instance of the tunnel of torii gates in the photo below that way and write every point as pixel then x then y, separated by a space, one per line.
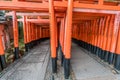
pixel 93 24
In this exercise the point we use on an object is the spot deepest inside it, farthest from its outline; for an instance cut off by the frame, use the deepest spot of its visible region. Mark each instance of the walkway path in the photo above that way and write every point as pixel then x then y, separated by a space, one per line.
pixel 32 66
pixel 87 68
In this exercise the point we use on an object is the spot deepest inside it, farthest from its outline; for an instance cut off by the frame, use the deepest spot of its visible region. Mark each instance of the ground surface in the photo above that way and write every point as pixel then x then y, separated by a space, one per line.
pixel 32 66
pixel 85 67
pixel 36 65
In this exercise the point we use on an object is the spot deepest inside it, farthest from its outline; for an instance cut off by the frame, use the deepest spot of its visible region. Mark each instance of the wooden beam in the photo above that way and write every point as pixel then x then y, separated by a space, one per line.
pixel 23 6
pixel 95 11
pixel 100 2
pixel 26 6
pixel 28 14
pixel 96 6
pixel 58 15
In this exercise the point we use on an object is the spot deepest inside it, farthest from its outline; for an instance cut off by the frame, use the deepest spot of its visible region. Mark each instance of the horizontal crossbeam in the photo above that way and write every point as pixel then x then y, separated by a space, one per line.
pixel 31 6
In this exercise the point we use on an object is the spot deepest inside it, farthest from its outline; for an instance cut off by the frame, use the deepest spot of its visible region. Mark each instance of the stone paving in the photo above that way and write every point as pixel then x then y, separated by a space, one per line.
pixel 85 67
pixel 32 66
pixel 36 65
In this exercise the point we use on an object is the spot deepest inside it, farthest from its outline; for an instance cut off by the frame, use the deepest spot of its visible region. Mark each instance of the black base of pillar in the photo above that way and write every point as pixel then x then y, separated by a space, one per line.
pixel 103 54
pixel 16 53
pixel 57 50
pixel 95 48
pixel 110 57
pixel 117 62
pixel 106 56
pixel 54 65
pixel 61 56
pixel 62 59
pixel 92 48
pixel 3 61
pixel 28 45
pixel 100 53
pixel 26 48
pixel 97 51
pixel 66 68
pixel 114 58
pixel 31 45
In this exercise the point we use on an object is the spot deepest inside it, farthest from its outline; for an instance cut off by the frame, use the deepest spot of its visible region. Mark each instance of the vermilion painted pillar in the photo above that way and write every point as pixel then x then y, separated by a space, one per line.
pixel 32 34
pixel 2 53
pixel 101 37
pixel 105 38
pixel 93 35
pixel 28 34
pixel 15 33
pixel 114 38
pixel 40 32
pixel 53 36
pixel 117 58
pixel 62 25
pixel 25 33
pixel 98 37
pixel 67 39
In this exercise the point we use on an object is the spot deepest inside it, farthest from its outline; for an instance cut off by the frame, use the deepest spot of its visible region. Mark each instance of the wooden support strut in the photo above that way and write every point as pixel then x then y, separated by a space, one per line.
pixel 15 33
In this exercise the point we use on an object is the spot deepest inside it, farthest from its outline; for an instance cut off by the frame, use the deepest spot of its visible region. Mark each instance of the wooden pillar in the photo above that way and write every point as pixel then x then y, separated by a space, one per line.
pixel 16 36
pixel 25 33
pixel 67 39
pixel 28 34
pixel 62 26
pixel 104 36
pixel 117 58
pixel 114 38
pixel 53 36
pixel 2 53
pixel 98 37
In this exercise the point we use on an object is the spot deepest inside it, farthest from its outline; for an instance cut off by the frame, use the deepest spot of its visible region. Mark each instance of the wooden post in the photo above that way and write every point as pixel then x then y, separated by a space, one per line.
pixel 25 33
pixel 117 58
pixel 15 33
pixel 67 39
pixel 2 53
pixel 53 36
pixel 114 38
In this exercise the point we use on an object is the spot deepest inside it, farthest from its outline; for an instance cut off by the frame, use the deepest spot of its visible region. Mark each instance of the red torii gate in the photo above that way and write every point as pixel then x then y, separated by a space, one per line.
pixel 66 20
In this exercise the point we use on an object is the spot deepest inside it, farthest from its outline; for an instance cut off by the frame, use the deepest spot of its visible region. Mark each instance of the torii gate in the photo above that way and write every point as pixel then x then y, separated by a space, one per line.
pixel 60 5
